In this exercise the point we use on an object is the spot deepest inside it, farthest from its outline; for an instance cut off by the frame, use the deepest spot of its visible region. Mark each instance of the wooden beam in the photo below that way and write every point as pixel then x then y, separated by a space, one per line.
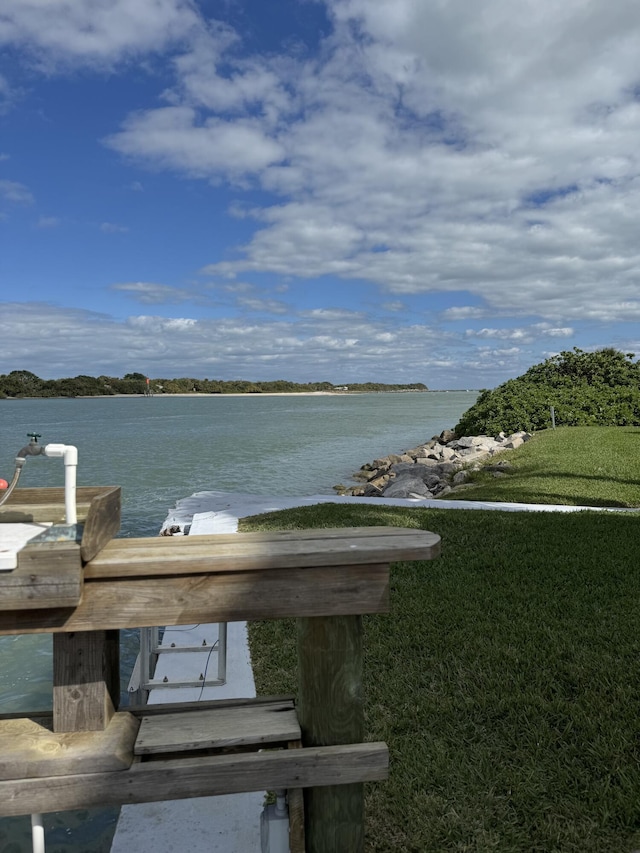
pixel 49 574
pixel 166 555
pixel 30 750
pixel 103 522
pixel 154 781
pixel 86 681
pixel 275 703
pixel 47 504
pixel 330 711
pixel 219 728
pixel 219 597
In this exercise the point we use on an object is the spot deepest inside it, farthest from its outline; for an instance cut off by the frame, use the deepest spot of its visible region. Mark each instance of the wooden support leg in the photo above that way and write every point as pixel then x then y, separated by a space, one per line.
pixel 86 680
pixel 330 712
pixel 295 801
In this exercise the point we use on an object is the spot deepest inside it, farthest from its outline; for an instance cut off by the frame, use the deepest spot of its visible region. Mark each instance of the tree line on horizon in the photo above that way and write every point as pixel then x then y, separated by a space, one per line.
pixel 24 383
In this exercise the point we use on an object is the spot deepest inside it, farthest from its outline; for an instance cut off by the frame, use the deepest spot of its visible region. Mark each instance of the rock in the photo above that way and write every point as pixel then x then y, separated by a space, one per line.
pixel 379 482
pixel 428 461
pixel 402 468
pixel 432 481
pixel 513 442
pixel 362 474
pixel 446 488
pixel 433 468
pixel 404 487
pixel 446 468
pixel 371 491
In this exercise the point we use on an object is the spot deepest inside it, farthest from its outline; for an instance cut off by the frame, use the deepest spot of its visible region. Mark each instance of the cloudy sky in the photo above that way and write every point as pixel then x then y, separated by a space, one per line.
pixel 441 191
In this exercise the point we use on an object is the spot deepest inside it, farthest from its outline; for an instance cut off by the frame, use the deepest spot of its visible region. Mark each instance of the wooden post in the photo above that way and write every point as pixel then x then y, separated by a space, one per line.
pixel 86 680
pixel 330 711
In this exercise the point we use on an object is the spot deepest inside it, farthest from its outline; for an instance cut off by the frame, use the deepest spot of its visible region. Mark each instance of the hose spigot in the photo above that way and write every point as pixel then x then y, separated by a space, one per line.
pixel 31 449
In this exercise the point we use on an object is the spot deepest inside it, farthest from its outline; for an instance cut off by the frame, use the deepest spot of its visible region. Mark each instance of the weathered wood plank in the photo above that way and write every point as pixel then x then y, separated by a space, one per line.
pixel 153 781
pixel 295 799
pixel 216 729
pixel 49 574
pixel 337 590
pixel 261 551
pixel 103 522
pixel 47 504
pixel 86 684
pixel 45 718
pixel 331 711
pixel 274 702
pixel 29 750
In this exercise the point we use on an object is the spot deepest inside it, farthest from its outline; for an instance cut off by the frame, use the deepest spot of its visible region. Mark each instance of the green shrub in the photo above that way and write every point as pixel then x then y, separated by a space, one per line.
pixel 599 388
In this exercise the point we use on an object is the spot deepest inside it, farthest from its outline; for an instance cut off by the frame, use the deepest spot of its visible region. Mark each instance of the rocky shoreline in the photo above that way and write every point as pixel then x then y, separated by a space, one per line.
pixel 436 468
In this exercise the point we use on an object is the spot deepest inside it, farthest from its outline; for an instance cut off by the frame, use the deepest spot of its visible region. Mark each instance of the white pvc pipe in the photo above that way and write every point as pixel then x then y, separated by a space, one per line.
pixel 69 454
pixel 37 833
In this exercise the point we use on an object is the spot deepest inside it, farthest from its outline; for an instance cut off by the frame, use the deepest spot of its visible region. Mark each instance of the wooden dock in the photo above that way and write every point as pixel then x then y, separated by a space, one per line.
pixel 89 753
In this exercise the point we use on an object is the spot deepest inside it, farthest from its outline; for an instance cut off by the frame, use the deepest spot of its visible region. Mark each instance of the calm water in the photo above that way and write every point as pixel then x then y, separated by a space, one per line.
pixel 161 449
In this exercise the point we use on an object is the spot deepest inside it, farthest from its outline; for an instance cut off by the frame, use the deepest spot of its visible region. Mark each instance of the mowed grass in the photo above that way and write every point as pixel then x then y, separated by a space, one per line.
pixel 581 466
pixel 506 681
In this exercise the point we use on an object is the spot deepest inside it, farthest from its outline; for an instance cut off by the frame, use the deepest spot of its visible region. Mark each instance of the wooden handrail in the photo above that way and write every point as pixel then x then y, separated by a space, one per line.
pixel 326 578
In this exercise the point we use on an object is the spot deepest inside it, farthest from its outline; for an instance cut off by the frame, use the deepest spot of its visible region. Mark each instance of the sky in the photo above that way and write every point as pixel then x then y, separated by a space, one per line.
pixel 436 191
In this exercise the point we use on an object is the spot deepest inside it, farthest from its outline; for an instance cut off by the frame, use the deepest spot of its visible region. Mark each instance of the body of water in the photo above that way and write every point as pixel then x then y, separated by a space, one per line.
pixel 161 449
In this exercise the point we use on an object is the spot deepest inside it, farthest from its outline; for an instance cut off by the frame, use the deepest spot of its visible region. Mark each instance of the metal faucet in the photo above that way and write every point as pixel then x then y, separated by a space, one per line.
pixel 31 449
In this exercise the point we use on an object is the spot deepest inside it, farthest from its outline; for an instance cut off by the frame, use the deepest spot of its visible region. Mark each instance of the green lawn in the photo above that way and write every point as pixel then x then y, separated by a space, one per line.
pixel 583 466
pixel 506 679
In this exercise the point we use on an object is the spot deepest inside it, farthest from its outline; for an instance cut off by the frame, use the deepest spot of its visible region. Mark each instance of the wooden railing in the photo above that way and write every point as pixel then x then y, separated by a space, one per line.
pixel 91 754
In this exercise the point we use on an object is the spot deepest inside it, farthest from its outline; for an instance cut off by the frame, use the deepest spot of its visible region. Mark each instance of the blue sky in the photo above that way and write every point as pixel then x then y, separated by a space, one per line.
pixel 347 190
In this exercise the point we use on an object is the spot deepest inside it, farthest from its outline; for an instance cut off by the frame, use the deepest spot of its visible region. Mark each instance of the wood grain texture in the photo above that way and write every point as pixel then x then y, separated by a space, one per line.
pixel 217 729
pixel 226 597
pixel 30 750
pixel 235 552
pixel 48 574
pixel 86 685
pixel 47 504
pixel 295 801
pixel 153 781
pixel 103 522
pixel 331 711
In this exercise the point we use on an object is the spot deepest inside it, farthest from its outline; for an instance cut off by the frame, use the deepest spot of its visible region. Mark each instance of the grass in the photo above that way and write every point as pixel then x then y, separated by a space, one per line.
pixel 506 680
pixel 581 466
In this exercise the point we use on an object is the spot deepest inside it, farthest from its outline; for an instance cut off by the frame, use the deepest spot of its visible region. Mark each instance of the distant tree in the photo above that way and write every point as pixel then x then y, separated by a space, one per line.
pixel 20 383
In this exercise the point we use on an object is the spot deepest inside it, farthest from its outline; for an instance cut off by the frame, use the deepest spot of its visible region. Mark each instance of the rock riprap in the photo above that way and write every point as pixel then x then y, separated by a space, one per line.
pixel 436 468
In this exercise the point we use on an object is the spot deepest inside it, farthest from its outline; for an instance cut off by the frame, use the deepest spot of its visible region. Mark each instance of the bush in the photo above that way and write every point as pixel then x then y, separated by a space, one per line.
pixel 599 388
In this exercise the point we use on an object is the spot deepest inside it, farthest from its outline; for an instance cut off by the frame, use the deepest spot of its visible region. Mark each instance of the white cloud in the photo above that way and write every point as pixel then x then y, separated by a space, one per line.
pixel 430 147
pixel 15 192
pixel 466 312
pixel 174 137
pixel 55 342
pixel 48 222
pixel 264 306
pixel 148 293
pixel 66 32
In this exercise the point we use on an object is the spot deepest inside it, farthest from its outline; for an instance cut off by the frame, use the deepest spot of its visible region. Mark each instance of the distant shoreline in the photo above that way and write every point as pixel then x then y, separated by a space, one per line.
pixel 247 394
